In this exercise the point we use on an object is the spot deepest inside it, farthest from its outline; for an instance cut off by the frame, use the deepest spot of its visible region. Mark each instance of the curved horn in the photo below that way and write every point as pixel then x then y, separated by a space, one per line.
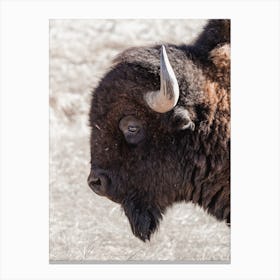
pixel 167 97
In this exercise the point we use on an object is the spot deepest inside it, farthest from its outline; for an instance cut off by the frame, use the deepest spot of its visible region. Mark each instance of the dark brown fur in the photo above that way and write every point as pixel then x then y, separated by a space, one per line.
pixel 171 164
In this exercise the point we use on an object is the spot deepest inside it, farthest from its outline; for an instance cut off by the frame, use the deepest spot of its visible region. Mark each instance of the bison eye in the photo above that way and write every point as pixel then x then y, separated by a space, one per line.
pixel 132 129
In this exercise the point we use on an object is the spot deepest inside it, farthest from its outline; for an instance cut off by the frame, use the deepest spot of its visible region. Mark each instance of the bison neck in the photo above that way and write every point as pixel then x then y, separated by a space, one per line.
pixel 213 194
pixel 207 171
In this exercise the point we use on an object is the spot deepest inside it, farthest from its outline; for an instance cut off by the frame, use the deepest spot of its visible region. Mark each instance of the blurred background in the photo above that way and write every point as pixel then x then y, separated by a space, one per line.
pixel 82 225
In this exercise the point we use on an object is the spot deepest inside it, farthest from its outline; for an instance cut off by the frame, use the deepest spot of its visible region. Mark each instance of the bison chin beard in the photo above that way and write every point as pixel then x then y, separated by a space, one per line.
pixel 143 218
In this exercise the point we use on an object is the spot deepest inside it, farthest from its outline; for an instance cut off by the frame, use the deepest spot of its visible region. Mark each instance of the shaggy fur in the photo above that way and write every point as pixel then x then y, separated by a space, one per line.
pixel 171 164
pixel 85 227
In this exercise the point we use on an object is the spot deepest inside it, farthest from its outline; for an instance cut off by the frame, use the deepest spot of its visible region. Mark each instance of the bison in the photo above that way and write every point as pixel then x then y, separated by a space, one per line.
pixel 160 129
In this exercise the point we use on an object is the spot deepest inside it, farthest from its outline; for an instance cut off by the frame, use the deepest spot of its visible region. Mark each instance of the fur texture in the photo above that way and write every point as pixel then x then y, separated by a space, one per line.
pixel 171 164
pixel 85 227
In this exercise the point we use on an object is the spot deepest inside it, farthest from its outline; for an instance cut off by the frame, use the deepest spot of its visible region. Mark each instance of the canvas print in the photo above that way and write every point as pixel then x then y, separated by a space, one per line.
pixel 139 140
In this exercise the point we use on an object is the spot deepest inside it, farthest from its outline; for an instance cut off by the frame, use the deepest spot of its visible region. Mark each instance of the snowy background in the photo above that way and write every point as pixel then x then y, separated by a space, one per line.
pixel 84 226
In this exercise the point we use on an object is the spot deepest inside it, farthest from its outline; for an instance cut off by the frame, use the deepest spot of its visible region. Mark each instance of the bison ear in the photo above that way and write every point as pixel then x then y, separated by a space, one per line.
pixel 220 56
pixel 182 120
pixel 167 97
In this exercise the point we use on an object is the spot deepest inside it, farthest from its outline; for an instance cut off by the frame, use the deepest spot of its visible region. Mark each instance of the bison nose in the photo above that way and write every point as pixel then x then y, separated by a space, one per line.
pixel 98 182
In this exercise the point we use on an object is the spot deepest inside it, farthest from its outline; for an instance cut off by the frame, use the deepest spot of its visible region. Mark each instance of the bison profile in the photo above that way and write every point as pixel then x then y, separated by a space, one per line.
pixel 160 129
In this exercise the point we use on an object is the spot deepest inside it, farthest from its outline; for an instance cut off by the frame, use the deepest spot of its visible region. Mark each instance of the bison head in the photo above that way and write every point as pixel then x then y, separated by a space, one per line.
pixel 160 131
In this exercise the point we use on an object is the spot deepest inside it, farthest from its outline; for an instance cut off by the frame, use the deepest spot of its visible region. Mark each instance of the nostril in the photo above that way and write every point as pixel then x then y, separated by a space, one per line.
pixel 98 182
pixel 94 182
